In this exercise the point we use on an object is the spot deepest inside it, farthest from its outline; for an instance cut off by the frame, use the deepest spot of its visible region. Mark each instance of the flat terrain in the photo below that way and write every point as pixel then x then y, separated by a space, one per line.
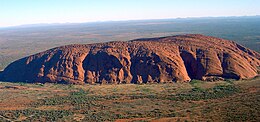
pixel 195 101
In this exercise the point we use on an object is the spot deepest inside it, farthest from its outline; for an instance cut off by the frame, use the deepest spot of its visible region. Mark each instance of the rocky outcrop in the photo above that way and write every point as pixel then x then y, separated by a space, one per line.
pixel 167 59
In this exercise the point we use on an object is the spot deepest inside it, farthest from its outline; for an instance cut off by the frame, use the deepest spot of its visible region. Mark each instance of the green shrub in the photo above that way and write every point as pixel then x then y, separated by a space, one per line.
pixel 200 94
pixel 36 115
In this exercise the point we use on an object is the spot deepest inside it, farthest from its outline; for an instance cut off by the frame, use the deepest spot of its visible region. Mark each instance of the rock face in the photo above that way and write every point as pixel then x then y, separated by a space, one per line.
pixel 166 59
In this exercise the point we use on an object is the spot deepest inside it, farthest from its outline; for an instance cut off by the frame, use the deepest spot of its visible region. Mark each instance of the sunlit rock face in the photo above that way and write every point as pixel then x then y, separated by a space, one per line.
pixel 152 60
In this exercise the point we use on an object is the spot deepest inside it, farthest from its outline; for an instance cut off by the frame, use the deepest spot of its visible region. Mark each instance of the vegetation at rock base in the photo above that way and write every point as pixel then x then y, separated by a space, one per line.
pixel 194 101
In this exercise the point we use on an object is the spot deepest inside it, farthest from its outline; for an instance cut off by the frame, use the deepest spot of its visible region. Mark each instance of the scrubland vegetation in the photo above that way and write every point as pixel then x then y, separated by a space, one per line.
pixel 228 100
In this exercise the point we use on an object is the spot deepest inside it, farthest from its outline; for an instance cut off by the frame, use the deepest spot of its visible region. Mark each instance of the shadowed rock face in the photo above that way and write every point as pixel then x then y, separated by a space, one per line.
pixel 167 59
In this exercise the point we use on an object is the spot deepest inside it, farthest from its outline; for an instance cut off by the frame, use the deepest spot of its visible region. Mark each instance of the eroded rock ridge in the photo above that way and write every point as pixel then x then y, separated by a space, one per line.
pixel 166 59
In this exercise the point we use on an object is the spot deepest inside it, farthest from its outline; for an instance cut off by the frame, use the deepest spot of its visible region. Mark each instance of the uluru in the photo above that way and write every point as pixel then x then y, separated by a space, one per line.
pixel 150 60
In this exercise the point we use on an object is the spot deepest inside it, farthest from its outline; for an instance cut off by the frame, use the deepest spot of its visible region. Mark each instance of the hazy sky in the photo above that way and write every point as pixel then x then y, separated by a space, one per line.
pixel 18 12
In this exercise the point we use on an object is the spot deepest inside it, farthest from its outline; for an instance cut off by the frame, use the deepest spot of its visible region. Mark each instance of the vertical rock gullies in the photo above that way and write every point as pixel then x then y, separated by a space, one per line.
pixel 190 63
pixel 107 65
pixel 156 60
pixel 145 67
pixel 100 67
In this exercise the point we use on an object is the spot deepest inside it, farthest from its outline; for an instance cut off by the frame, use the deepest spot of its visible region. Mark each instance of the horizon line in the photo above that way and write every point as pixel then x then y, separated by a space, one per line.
pixel 103 21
